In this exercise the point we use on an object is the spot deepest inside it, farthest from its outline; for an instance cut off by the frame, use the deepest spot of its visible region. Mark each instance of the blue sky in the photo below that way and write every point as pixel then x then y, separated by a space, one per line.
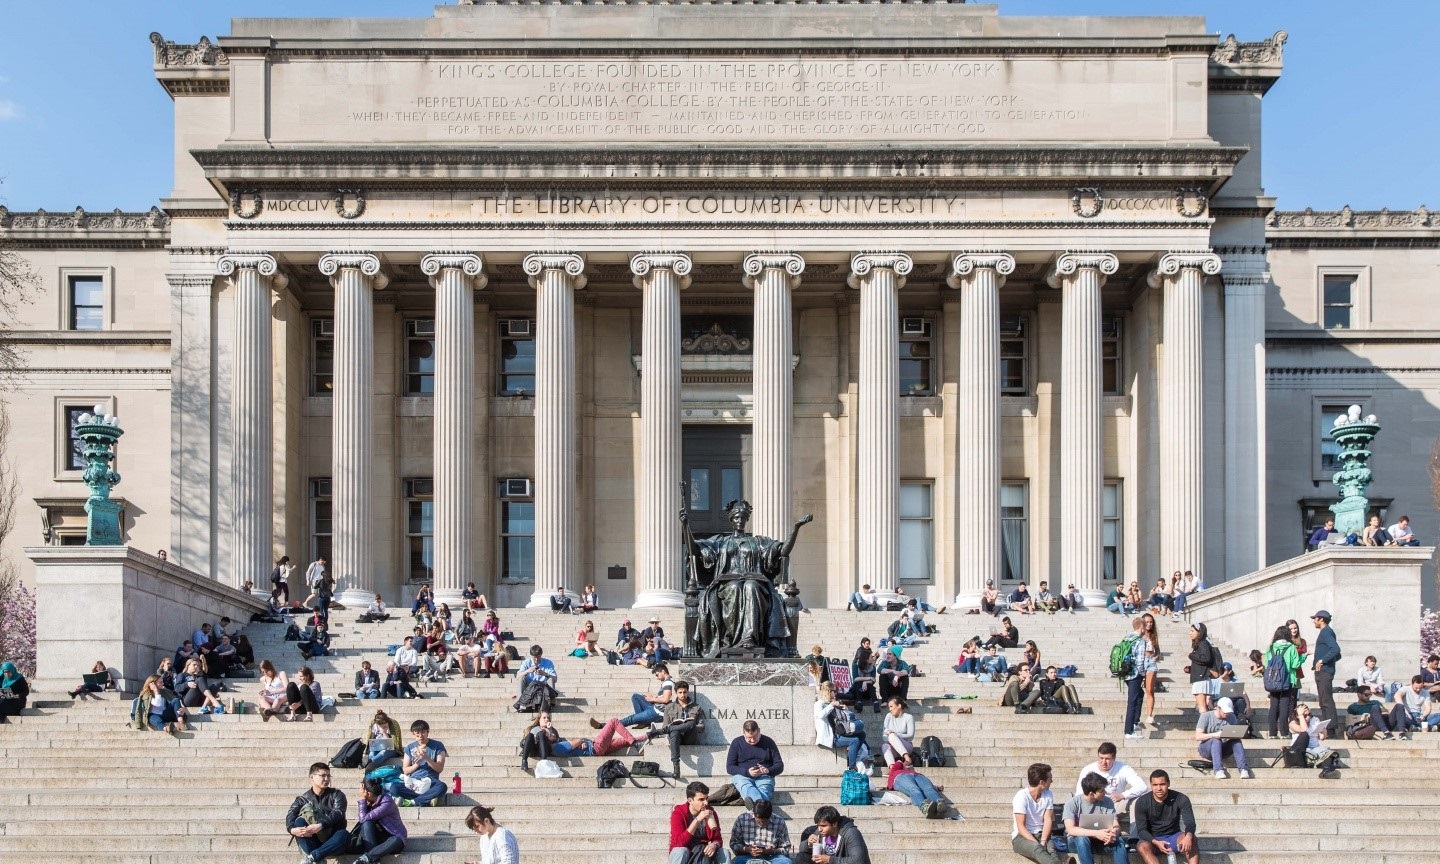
pixel 1353 120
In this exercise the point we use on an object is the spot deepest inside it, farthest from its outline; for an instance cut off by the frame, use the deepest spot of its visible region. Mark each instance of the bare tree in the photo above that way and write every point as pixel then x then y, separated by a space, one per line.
pixel 18 284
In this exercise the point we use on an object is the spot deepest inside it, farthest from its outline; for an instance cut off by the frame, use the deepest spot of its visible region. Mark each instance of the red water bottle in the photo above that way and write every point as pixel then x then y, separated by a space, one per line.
pixel 455 785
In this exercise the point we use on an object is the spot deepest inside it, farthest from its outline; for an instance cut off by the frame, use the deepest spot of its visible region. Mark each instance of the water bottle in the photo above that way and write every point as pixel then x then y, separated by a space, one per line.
pixel 1171 858
pixel 455 784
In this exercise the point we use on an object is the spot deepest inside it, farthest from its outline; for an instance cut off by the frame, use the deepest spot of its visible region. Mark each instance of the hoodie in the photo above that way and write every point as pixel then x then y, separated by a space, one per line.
pixel 850 849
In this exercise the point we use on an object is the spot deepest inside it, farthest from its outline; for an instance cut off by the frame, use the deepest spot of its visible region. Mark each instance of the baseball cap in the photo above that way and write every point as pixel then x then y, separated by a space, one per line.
pixel 1224 705
pixel 1228 668
pixel 626 622
pixel 653 621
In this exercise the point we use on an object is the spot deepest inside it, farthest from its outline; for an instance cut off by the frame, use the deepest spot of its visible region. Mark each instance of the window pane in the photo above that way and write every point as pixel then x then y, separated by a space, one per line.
pixel 422 558
pixel 520 517
pixel 914 377
pixel 1110 500
pixel 1338 290
pixel 87 318
pixel 732 484
pixel 1329 450
pixel 914 501
pixel 915 550
pixel 518 357
pixel 519 565
pixel 518 384
pixel 1337 317
pixel 422 517
pixel 700 489
pixel 76 458
pixel 322 517
pixel 87 291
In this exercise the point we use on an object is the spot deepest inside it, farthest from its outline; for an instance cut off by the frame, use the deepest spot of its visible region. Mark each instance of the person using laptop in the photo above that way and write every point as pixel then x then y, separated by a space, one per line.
pixel 1219 732
pixel 1325 536
pixel 1090 821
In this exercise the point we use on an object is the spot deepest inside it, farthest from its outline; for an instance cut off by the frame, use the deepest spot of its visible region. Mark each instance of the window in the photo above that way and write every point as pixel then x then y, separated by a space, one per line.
pixel 517 539
pixel 917 533
pixel 1339 293
pixel 87 302
pixel 321 526
pixel 420 527
pixel 1329 449
pixel 69 450
pixel 1012 356
pixel 915 357
pixel 322 357
pixel 1014 532
pixel 517 357
pixel 1110 542
pixel 75 448
pixel 420 357
pixel 1110 369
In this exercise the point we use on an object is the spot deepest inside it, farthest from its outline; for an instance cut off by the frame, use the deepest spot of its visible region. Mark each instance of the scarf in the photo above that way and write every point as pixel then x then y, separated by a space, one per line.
pixel 11 675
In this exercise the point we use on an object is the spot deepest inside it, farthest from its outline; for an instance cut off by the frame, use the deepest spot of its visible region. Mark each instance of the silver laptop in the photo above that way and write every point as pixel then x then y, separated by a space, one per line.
pixel 1234 730
pixel 1231 690
pixel 1334 538
pixel 1097 821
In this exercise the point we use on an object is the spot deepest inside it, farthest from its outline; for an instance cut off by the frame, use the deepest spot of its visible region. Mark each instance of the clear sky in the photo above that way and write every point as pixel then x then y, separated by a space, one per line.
pixel 1354 120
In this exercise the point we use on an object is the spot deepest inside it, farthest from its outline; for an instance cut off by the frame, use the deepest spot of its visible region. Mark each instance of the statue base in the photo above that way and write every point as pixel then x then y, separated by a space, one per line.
pixel 1351 514
pixel 772 672
pixel 103 526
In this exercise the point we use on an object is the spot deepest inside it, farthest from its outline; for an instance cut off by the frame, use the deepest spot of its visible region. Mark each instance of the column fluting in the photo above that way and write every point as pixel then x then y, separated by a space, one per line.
pixel 772 276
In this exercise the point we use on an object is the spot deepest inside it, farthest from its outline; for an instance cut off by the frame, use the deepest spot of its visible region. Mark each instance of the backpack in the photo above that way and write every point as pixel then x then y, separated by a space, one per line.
pixel 854 789
pixel 512 653
pixel 844 722
pixel 385 774
pixel 349 754
pixel 1122 657
pixel 931 753
pixel 292 634
pixel 609 772
pixel 1277 674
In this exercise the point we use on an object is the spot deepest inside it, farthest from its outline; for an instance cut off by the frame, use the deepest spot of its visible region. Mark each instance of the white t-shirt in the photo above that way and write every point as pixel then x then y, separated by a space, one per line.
pixel 1121 778
pixel 1034 811
pixel 499 848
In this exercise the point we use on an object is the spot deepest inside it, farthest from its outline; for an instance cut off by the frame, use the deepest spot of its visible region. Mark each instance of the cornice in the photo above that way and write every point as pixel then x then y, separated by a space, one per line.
pixel 151 338
pixel 197 69
pixel 32 223
pixel 1089 226
pixel 1247 67
pixel 169 54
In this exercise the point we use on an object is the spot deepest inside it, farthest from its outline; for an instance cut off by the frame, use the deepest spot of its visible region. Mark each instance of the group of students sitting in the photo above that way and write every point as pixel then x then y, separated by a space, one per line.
pixel 1165 598
pixel 1373 534
pixel 1029 684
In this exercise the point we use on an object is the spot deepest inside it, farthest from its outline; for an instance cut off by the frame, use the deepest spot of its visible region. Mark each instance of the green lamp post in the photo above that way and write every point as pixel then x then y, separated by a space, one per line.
pixel 99 432
pixel 1354 434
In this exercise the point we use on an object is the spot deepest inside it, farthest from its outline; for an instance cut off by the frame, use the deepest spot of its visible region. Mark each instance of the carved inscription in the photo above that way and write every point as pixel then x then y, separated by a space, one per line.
pixel 684 99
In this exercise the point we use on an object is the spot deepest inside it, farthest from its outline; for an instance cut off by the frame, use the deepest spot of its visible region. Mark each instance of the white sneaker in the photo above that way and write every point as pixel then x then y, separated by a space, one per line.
pixel 1175 619
pixel 1150 720
pixel 1247 774
pixel 1135 736
pixel 1221 775
pixel 1424 727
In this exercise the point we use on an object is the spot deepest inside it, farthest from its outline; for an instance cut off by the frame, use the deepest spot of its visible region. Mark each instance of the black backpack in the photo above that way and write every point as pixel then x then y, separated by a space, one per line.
pixel 931 753
pixel 609 772
pixel 349 755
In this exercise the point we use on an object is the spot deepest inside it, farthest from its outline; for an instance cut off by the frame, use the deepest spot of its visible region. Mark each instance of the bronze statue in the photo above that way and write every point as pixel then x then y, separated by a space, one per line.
pixel 741 609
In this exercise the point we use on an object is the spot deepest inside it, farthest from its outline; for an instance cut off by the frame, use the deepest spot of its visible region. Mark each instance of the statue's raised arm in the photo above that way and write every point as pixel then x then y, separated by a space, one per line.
pixel 795 534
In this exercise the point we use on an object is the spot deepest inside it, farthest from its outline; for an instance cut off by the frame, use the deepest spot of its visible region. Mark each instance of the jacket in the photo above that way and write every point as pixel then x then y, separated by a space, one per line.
pixel 675 714
pixel 851 848
pixel 365 680
pixel 329 808
pixel 824 734
pixel 1203 659
pixel 385 814
pixel 1327 648
pixel 1292 658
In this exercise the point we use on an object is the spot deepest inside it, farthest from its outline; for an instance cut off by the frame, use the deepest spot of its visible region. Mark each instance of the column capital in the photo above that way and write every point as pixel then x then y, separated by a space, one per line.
pixel 758 262
pixel 863 263
pixel 966 263
pixel 261 262
pixel 331 263
pixel 469 263
pixel 1069 263
pixel 572 263
pixel 1171 263
pixel 677 262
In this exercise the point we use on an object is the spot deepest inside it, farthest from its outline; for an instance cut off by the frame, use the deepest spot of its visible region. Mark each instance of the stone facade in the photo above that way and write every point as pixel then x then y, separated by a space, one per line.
pixel 838 239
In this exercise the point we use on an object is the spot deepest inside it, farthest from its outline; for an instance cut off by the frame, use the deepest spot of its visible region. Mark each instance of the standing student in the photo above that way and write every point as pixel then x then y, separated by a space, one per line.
pixel 1282 699
pixel 1327 654
pixel 314 578
pixel 1135 680
pixel 279 586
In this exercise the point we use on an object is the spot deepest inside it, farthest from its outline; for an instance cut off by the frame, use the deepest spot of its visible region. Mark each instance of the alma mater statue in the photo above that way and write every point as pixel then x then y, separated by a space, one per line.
pixel 740 608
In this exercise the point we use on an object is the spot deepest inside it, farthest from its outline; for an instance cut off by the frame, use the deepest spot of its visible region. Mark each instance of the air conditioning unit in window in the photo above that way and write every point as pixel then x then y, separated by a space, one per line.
pixel 516 487
pixel 423 327
pixel 325 326
pixel 518 327
pixel 914 327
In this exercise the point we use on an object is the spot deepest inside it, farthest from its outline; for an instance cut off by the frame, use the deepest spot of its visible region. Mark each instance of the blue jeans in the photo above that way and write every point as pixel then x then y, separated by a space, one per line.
pixel 861 604
pixel 1118 608
pixel 1179 601
pixel 336 845
pixel 1216 749
pixel 970 666
pixel 376 842
pixel 916 787
pixel 1082 847
pixel 1134 698
pixel 856 748
pixel 754 788
pixel 380 751
pixel 777 858
pixel 645 712
pixel 399 790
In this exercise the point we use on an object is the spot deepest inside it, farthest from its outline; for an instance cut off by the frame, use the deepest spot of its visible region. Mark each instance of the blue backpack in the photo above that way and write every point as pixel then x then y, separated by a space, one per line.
pixel 854 789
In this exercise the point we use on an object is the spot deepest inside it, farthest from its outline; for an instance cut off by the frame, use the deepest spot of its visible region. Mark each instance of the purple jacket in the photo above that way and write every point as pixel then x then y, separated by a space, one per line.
pixel 386 814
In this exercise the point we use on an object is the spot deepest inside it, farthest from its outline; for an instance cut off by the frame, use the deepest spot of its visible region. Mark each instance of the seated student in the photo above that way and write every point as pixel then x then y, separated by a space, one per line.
pixel 1021 601
pixel 863 678
pixel 99 680
pixel 155 706
pixel 867 599
pixel 424 761
pixel 683 722
pixel 379 830
pixel 990 602
pixel 1242 702
pixel 586 637
pixel 374 613
pixel 1214 746
pixel 916 610
pixel 817 665
pixel 539 739
pixel 383 741
pixel 1189 584
pixel 753 762
pixel 1034 811
pixel 1089 800
pixel 899 735
pixel 652 630
pixel 184 654
pixel 467 655
pixel 1320 537
pixel 1416 701
pixel 833 839
pixel 367 682
pixel 1430 674
pixel 244 651
pixel 538 679
pixel 407 657
pixel 968 663
pixel 832 717
pixel 316 818
pixel 760 835
pixel 1134 597
pixel 1071 598
pixel 1122 784
pixel 1018 688
pixel 1386 724
pixel 303 696
pixel 196 691
pixel 1052 691
pixel 1375 534
pixel 923 793
pixel 992 666
pixel 625 634
pixel 436 659
pixel 472 598
pixel 491 624
pixel 1402 535
pixel 630 655
pixel 612 737
pixel 917 603
pixel 446 620
pixel 494 660
pixel 1165 823
pixel 316 643
pixel 892 676
pixel 589 599
pixel 1045 601
pixel 1160 602
pixel 648 708
pixel 1118 601
pixel 397 683
pixel 424 601
pixel 560 601
pixel 694 825
pixel 1030 657
pixel 1370 675
pixel 1008 637
pixel 903 632
pixel 1307 736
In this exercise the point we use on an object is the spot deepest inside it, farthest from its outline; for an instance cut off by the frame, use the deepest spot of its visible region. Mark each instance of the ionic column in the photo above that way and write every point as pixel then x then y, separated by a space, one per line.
pixel 1181 276
pixel 979 277
pixel 661 276
pixel 879 276
pixel 556 277
pixel 1247 281
pixel 455 276
pixel 1080 276
pixel 772 276
pixel 253 276
pixel 355 276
